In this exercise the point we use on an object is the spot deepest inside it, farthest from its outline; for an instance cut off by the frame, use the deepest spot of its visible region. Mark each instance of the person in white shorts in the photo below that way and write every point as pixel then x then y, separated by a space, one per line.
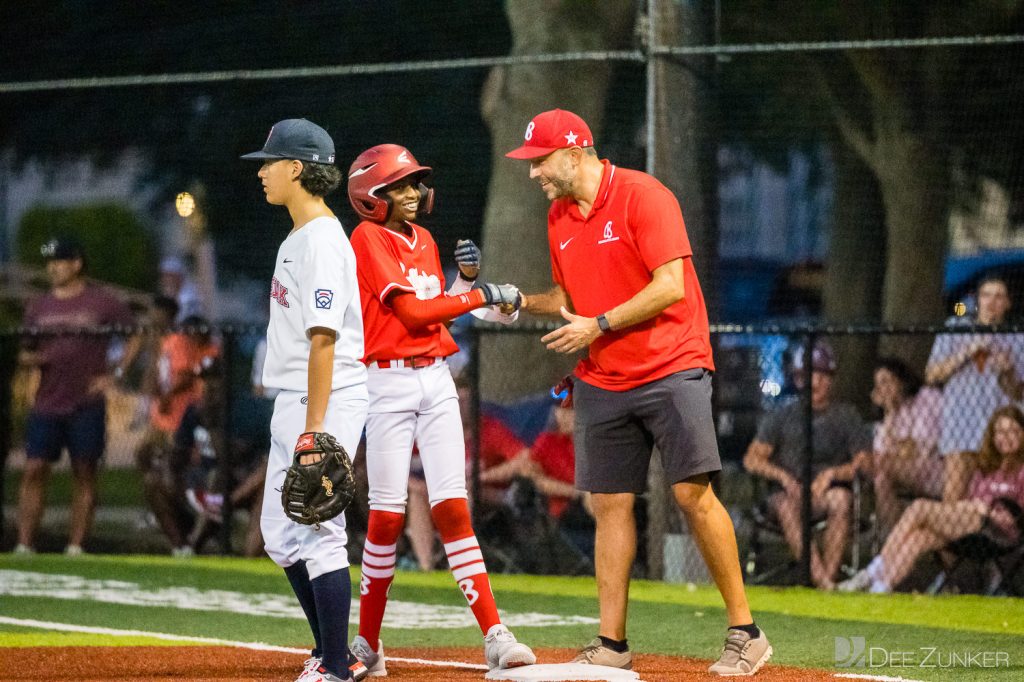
pixel 412 394
pixel 314 347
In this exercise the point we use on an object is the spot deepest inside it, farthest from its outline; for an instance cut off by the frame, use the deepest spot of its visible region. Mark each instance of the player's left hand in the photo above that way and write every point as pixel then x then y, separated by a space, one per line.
pixel 575 336
pixel 467 255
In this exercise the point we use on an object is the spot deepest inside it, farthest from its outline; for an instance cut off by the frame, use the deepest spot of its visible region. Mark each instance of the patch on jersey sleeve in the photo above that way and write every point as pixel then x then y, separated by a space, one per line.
pixel 323 298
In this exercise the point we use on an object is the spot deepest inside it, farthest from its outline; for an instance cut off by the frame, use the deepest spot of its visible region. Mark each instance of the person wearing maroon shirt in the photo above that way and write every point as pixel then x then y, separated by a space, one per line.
pixel 625 283
pixel 70 409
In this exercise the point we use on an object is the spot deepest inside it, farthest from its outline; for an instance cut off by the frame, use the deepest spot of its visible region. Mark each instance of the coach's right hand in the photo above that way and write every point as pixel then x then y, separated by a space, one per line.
pixel 505 295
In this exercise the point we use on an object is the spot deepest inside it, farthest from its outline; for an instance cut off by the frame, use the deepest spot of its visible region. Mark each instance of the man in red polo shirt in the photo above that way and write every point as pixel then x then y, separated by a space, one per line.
pixel 626 286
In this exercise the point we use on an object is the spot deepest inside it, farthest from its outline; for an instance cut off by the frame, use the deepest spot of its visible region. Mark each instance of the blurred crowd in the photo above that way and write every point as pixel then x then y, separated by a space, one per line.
pixel 939 473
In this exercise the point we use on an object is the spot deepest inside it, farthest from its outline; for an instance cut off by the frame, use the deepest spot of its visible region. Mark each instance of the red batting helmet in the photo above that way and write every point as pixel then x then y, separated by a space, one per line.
pixel 374 170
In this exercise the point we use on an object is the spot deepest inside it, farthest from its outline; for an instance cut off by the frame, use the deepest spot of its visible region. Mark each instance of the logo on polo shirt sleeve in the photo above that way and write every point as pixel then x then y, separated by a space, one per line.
pixel 323 298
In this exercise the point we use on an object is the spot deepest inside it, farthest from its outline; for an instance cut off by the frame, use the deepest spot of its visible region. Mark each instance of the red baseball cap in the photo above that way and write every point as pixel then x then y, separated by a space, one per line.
pixel 555 129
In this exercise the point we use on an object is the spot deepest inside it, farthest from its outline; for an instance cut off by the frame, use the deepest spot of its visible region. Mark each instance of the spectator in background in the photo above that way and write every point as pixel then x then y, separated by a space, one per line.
pixel 841 446
pixel 978 374
pixel 70 404
pixel 502 455
pixel 175 283
pixel 992 507
pixel 183 355
pixel 177 385
pixel 553 472
pixel 906 456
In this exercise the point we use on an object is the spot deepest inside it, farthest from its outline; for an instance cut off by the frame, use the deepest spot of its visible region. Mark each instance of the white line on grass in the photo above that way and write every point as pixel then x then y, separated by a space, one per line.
pixel 881 678
pixel 257 646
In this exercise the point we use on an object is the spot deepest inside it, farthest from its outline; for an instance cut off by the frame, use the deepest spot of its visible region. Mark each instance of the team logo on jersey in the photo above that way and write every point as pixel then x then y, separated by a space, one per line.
pixel 608 235
pixel 279 292
pixel 323 298
pixel 425 285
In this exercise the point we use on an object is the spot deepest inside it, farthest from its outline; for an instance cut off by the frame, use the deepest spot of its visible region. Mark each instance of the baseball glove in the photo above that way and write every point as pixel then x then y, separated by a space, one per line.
pixel 317 492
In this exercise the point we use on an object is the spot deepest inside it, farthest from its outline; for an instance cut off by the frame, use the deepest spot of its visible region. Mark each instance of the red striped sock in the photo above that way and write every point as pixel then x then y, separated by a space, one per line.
pixel 378 571
pixel 466 561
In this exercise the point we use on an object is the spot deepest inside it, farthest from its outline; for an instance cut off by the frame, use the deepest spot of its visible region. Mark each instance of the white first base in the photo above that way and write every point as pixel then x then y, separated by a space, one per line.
pixel 560 672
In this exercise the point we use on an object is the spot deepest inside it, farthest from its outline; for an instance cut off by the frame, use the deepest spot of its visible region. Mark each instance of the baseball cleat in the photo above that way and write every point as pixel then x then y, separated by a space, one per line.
pixel 309 666
pixel 596 653
pixel 357 671
pixel 742 655
pixel 373 660
pixel 503 651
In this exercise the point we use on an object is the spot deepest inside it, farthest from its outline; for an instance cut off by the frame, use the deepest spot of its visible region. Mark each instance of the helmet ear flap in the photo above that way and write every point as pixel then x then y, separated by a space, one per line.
pixel 426 199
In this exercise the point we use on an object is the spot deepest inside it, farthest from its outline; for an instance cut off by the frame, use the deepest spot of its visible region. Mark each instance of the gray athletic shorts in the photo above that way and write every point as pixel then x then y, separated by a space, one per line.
pixel 616 430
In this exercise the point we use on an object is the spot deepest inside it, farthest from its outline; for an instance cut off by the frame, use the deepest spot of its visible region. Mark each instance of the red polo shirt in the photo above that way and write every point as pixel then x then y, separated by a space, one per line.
pixel 604 259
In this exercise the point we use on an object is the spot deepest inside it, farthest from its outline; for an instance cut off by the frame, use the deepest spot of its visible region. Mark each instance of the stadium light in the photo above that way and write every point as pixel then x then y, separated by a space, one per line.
pixel 185 204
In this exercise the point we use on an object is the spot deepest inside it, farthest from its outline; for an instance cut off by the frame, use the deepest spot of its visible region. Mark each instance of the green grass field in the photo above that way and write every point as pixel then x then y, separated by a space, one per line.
pixel 162 595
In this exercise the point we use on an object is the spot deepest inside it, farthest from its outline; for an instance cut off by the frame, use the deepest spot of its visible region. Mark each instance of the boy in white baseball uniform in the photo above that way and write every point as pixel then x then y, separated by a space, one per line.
pixel 314 351
pixel 412 395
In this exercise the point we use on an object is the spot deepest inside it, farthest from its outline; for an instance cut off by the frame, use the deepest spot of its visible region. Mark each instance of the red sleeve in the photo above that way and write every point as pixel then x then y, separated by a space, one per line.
pixel 657 224
pixel 377 265
pixel 416 314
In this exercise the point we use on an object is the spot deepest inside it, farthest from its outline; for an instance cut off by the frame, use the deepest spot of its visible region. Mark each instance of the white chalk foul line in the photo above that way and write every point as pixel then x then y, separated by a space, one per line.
pixel 259 646
pixel 880 678
pixel 256 646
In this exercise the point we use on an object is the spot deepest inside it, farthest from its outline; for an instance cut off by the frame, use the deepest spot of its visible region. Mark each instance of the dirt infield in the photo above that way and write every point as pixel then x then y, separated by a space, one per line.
pixel 226 664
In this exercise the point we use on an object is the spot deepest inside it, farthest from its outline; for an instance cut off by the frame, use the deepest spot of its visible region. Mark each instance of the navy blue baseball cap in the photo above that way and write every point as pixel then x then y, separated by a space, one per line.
pixel 296 138
pixel 62 248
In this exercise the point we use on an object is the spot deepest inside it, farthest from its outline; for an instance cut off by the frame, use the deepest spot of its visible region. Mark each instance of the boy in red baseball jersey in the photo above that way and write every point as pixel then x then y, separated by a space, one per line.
pixel 622 262
pixel 412 395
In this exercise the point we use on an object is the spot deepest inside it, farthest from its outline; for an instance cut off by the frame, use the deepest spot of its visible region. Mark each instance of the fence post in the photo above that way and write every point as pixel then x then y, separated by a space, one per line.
pixel 222 437
pixel 808 472
pixel 7 363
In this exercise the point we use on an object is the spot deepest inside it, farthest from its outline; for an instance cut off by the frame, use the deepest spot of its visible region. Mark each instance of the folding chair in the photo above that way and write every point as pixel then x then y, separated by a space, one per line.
pixel 763 523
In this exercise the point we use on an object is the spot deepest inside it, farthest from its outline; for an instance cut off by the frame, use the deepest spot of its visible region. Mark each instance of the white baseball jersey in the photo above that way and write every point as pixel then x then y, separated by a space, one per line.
pixel 314 285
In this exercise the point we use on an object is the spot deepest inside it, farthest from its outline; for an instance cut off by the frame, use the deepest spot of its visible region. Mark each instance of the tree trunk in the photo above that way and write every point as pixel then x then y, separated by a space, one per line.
pixel 914 182
pixel 856 267
pixel 515 222
pixel 685 139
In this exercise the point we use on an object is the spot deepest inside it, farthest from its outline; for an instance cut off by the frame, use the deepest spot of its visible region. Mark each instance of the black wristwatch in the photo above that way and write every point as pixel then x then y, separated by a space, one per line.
pixel 602 323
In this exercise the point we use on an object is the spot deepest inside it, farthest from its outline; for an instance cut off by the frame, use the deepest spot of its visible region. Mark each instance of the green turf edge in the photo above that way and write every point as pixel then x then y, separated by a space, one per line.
pixel 998 615
pixel 32 638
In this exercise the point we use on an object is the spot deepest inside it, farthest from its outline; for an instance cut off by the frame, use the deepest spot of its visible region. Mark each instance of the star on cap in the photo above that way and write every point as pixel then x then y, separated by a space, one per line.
pixel 571 137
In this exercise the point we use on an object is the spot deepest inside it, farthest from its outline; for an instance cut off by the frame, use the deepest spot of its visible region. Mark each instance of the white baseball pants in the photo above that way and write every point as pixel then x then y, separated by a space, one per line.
pixel 410 406
pixel 286 541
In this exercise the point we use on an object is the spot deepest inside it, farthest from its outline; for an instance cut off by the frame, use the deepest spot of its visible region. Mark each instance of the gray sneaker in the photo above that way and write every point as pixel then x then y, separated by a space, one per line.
pixel 373 660
pixel 742 655
pixel 596 653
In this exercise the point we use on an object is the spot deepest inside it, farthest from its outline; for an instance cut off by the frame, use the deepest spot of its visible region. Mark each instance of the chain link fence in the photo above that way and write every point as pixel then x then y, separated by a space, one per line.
pixel 913 481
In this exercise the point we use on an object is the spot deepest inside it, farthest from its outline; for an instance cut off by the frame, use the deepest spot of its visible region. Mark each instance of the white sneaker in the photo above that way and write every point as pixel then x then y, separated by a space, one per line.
pixel 183 552
pixel 503 651
pixel 858 582
pixel 373 660
pixel 309 667
pixel 73 550
pixel 23 550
